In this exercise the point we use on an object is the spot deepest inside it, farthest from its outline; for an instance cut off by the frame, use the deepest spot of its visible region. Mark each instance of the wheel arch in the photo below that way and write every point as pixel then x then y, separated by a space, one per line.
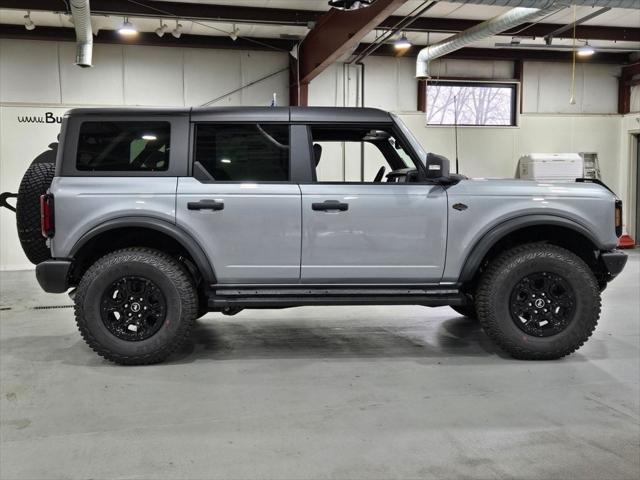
pixel 529 229
pixel 140 232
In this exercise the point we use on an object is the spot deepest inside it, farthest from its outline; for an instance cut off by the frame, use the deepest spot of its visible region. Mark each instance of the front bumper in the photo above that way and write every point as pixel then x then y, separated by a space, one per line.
pixel 53 275
pixel 614 261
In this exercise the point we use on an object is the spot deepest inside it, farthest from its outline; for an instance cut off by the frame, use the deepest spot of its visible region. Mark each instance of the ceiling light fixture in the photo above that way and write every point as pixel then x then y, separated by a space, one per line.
pixel 28 23
pixel 402 43
pixel 234 33
pixel 162 29
pixel 586 50
pixel 176 32
pixel 127 28
pixel 149 137
pixel 349 4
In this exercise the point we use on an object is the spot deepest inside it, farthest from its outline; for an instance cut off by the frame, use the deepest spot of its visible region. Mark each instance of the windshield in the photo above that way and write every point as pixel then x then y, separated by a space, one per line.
pixel 412 140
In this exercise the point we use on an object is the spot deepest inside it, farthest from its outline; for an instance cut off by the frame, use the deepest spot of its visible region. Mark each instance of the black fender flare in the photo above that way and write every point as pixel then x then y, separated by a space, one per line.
pixel 178 234
pixel 498 232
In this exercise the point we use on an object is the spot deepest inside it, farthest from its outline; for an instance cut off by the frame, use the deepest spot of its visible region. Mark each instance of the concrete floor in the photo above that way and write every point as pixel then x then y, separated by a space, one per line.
pixel 352 392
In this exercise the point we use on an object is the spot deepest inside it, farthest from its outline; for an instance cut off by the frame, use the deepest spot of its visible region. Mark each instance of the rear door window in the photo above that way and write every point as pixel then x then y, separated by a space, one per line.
pixel 243 152
pixel 122 146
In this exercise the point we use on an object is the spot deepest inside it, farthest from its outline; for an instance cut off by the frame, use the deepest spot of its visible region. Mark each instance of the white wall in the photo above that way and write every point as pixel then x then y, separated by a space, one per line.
pixel 34 72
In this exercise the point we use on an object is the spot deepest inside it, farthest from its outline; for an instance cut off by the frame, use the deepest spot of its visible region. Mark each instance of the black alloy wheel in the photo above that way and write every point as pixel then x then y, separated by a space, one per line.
pixel 133 308
pixel 542 304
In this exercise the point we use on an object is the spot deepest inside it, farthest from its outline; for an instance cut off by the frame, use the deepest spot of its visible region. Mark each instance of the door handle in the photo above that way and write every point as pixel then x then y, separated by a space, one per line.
pixel 330 205
pixel 206 205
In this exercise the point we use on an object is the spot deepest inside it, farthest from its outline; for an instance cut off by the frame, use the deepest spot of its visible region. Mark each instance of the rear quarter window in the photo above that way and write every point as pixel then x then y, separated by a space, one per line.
pixel 123 146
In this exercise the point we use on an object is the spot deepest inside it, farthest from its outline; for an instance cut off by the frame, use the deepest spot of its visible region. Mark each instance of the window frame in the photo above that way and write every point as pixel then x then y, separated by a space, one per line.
pixel 70 137
pixel 514 85
pixel 192 152
pixel 164 124
pixel 397 133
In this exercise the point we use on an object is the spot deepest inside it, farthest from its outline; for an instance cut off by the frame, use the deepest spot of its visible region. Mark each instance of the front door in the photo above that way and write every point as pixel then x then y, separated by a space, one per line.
pixel 240 205
pixel 373 233
pixel 366 219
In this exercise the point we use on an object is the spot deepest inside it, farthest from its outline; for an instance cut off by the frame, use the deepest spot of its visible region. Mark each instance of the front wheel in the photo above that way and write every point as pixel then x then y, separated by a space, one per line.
pixel 136 306
pixel 538 302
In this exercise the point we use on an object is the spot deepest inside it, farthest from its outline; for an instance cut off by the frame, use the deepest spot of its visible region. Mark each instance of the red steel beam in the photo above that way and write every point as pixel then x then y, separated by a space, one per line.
pixel 625 82
pixel 337 33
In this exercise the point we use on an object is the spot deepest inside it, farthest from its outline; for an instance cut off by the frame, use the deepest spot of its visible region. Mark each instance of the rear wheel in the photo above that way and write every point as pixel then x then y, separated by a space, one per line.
pixel 136 306
pixel 538 302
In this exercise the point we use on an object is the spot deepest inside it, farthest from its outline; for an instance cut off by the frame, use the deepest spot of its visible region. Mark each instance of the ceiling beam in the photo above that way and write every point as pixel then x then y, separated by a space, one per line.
pixel 337 33
pixel 292 17
pixel 270 44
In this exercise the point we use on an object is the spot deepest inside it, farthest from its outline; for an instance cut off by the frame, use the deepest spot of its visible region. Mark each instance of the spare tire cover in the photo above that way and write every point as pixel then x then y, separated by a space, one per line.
pixel 35 182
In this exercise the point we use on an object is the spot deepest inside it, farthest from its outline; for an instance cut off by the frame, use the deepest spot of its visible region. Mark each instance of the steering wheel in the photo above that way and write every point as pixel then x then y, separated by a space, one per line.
pixel 378 177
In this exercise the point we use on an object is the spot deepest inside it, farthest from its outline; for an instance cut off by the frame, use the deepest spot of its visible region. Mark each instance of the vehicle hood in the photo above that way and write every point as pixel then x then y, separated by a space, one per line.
pixel 509 187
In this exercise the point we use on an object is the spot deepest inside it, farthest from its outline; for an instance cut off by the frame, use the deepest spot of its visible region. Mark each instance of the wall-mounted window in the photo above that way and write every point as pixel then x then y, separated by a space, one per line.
pixel 471 103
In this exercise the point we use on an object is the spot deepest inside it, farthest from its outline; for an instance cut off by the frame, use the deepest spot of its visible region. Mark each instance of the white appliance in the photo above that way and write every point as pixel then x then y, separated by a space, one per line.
pixel 551 167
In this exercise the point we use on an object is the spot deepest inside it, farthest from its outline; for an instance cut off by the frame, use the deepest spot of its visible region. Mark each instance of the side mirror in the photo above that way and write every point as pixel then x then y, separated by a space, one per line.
pixel 437 167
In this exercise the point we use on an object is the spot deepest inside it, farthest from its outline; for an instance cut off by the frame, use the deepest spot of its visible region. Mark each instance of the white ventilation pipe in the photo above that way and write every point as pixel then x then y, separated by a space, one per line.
pixel 522 13
pixel 84 41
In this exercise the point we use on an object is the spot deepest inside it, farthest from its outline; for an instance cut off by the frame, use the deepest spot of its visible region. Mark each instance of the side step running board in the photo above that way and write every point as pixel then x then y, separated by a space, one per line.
pixel 267 296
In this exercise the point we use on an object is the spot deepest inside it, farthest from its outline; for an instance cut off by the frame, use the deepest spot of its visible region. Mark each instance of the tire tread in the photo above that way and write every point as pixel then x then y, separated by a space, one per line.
pixel 179 277
pixel 486 291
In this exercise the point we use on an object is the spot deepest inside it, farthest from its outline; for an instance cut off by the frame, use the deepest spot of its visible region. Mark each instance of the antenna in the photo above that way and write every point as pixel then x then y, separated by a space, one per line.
pixel 455 126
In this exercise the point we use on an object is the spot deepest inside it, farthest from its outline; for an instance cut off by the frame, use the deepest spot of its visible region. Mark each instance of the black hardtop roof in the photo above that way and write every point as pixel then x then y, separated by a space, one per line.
pixel 243 114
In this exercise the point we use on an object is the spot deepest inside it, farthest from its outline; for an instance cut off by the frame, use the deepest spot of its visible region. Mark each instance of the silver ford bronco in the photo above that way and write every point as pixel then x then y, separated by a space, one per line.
pixel 155 217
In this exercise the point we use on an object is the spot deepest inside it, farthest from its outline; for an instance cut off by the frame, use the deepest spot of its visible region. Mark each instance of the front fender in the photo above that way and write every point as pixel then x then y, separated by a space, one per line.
pixel 477 252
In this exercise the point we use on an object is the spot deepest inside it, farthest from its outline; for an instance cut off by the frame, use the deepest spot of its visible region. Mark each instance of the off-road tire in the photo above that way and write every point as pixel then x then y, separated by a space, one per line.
pixel 498 281
pixel 468 311
pixel 172 279
pixel 35 182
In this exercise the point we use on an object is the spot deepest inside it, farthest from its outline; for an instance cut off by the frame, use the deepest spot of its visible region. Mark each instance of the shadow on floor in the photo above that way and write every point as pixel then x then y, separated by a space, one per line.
pixel 251 339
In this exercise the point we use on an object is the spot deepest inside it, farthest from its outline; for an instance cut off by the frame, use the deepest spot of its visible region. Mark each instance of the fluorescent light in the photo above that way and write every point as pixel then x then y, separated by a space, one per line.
pixel 28 23
pixel 127 28
pixel 402 43
pixel 149 137
pixel 225 160
pixel 585 51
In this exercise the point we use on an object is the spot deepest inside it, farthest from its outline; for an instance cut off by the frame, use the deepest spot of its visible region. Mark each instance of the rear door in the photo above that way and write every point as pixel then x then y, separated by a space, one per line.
pixel 240 204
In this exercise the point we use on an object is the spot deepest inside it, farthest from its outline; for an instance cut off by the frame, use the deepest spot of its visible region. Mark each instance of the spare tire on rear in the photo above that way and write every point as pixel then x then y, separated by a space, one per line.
pixel 35 182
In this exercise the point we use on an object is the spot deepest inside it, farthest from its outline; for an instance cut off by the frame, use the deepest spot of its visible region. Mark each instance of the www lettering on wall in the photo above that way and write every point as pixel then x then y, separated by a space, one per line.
pixel 48 117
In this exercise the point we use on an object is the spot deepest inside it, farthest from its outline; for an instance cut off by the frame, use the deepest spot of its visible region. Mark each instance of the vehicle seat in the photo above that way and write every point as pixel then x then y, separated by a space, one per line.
pixel 317 152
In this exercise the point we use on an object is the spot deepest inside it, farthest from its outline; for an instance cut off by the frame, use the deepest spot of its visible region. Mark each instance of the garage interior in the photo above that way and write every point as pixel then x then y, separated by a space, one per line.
pixel 326 392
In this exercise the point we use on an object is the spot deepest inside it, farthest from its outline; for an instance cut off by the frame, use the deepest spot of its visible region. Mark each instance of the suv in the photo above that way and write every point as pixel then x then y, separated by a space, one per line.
pixel 164 215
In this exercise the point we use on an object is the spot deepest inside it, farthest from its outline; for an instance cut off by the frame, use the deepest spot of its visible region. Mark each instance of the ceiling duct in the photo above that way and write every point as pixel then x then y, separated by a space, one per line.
pixel 81 14
pixel 524 11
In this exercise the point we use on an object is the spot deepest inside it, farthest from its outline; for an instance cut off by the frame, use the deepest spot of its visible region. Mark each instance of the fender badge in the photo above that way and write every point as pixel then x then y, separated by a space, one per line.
pixel 460 206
